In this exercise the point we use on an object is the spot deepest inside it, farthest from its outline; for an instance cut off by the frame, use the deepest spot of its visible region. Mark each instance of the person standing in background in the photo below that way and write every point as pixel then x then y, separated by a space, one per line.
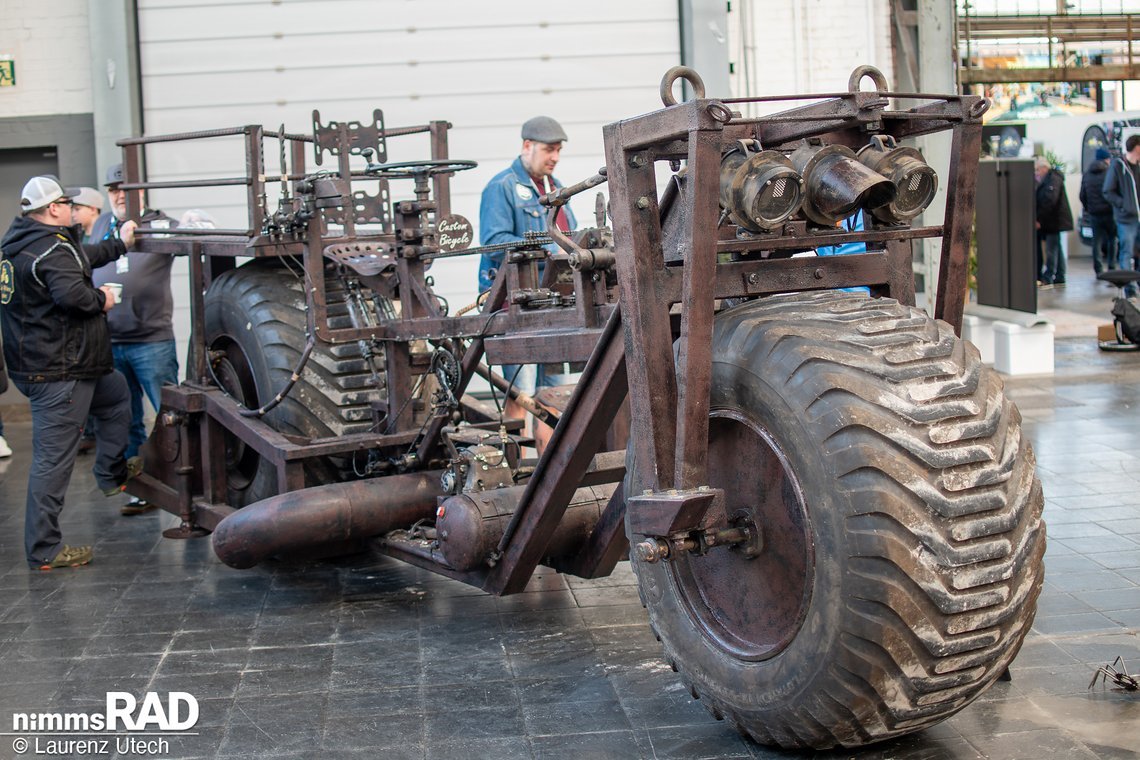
pixel 142 331
pixel 1054 216
pixel 1099 212
pixel 508 209
pixel 85 209
pixel 1120 184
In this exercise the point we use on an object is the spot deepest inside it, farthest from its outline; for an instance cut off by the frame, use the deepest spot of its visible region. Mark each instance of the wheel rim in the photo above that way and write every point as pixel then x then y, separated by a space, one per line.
pixel 751 607
pixel 234 375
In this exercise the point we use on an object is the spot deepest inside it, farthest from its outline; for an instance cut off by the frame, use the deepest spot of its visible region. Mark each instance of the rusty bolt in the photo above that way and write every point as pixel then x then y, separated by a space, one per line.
pixel 643 202
pixel 637 161
pixel 753 278
pixel 651 550
pixel 817 274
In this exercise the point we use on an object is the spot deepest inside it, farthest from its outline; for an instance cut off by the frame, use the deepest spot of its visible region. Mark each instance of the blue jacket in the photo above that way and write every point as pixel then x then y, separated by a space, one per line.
pixel 508 209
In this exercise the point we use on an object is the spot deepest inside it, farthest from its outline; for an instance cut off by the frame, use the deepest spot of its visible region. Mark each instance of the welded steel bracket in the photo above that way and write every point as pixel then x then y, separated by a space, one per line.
pixel 667 513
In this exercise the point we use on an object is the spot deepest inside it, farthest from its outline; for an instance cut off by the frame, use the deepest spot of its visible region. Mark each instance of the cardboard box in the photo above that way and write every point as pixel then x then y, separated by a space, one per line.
pixel 1105 332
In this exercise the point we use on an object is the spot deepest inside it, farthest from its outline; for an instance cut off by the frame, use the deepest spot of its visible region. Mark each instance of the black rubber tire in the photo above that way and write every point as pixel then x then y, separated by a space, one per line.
pixel 920 513
pixel 256 314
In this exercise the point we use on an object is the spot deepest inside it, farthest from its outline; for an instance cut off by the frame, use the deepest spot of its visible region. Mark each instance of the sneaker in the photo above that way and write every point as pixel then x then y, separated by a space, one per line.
pixel 134 467
pixel 86 444
pixel 69 556
pixel 136 506
pixel 5 450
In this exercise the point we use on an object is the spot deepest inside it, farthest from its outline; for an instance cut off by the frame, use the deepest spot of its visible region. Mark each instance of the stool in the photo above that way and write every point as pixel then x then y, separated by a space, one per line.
pixel 1121 278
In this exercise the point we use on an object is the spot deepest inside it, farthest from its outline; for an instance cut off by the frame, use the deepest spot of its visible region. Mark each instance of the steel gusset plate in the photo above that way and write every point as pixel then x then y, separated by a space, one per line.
pixel 327 137
pixel 367 209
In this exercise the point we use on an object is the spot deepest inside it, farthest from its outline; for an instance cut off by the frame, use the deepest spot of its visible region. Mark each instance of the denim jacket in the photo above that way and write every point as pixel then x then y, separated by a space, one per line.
pixel 508 209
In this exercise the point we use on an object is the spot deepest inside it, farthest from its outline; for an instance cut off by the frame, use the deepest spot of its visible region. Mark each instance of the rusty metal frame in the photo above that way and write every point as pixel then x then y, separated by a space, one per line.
pixel 670 417
pixel 656 339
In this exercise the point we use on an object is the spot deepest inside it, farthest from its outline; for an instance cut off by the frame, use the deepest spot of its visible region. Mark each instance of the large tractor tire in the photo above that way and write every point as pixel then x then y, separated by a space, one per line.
pixel 255 329
pixel 901 524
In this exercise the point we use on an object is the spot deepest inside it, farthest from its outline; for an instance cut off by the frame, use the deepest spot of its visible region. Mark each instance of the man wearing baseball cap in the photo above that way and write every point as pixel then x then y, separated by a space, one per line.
pixel 58 353
pixel 509 208
pixel 142 333
pixel 85 209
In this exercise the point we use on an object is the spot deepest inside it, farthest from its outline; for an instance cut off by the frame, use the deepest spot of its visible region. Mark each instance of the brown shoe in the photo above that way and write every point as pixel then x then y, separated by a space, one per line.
pixel 69 556
pixel 136 506
pixel 86 444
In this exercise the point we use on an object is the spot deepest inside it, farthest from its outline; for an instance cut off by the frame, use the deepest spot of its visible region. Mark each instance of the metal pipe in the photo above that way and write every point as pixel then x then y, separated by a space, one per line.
pixel 322 515
pixel 524 400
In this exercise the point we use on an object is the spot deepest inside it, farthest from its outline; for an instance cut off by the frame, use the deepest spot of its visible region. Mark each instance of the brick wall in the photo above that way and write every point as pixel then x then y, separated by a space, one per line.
pixel 50 43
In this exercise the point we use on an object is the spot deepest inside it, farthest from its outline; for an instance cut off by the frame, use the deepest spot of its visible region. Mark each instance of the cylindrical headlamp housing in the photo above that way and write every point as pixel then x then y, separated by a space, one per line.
pixel 760 190
pixel 915 181
pixel 836 184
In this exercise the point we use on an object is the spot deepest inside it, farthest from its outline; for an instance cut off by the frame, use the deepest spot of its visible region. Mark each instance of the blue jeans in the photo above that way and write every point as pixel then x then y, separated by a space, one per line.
pixel 1055 263
pixel 1126 235
pixel 147 367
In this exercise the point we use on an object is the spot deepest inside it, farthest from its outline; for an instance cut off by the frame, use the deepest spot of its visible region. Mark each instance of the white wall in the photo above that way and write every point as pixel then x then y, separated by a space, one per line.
pixel 49 42
pixel 803 46
pixel 485 67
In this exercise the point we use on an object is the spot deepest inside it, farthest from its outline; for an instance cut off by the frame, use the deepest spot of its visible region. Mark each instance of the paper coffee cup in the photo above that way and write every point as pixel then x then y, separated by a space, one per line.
pixel 116 289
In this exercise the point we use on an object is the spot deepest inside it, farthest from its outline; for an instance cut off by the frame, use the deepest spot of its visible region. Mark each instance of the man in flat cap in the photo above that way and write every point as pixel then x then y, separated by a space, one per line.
pixel 142 333
pixel 58 352
pixel 509 208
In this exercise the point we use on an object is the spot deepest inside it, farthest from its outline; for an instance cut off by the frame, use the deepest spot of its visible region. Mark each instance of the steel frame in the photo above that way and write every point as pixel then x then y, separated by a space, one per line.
pixel 664 309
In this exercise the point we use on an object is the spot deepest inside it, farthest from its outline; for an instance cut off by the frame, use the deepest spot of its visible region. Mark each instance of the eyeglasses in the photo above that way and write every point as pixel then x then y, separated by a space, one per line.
pixel 64 201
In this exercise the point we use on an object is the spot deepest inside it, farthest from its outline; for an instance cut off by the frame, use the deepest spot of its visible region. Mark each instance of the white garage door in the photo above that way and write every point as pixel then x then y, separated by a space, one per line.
pixel 484 66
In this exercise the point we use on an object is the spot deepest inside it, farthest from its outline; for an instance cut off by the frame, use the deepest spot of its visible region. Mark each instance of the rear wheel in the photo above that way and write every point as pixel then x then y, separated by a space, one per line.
pixel 255 331
pixel 901 521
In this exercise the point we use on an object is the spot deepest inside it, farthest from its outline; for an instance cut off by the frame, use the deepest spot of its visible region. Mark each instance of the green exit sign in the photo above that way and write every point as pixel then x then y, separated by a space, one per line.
pixel 7 72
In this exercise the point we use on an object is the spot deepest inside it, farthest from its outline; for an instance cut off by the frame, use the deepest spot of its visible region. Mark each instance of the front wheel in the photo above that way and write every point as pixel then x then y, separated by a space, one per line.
pixel 901 522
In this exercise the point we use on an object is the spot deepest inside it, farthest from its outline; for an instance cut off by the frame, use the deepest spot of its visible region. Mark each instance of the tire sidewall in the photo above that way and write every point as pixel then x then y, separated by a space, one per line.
pixel 762 684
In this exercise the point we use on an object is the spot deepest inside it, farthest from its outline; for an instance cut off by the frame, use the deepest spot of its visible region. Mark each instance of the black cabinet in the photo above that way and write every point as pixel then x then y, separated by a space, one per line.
pixel 1006 234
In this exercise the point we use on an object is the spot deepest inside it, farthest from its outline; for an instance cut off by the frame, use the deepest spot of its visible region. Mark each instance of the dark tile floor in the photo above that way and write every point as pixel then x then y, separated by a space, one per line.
pixel 372 658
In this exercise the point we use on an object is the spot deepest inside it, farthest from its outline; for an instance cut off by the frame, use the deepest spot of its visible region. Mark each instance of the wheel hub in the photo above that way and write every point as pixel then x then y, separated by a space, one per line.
pixel 750 597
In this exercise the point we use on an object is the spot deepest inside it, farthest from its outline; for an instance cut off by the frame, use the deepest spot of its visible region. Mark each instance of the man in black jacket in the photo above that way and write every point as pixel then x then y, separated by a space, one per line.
pixel 1053 217
pixel 1098 211
pixel 58 353
pixel 1120 190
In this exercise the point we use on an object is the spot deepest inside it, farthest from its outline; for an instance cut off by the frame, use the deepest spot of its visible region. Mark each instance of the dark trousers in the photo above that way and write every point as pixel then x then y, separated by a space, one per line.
pixel 1103 242
pixel 59 410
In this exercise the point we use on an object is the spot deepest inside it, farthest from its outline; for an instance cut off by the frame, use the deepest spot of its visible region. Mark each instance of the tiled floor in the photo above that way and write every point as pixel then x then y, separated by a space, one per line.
pixel 372 658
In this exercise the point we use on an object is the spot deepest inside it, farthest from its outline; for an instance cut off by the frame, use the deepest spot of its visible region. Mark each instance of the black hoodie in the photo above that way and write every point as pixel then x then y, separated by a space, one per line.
pixel 52 315
pixel 1092 190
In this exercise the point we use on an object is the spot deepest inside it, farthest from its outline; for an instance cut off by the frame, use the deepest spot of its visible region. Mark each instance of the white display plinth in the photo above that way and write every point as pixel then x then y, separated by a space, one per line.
pixel 1021 350
pixel 980 332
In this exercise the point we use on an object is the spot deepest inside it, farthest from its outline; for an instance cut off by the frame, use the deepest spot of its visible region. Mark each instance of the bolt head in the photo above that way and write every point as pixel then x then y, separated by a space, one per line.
pixel 643 203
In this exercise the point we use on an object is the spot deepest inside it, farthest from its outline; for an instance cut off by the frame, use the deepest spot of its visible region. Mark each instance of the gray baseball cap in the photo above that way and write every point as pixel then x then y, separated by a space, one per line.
pixel 114 176
pixel 543 129
pixel 89 196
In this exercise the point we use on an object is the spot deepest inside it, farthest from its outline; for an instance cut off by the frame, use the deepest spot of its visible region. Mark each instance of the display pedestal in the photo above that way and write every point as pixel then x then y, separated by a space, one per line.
pixel 1021 350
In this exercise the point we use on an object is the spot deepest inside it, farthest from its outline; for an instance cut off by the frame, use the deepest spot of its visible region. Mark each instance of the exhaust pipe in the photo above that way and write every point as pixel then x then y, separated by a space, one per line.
pixel 321 515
